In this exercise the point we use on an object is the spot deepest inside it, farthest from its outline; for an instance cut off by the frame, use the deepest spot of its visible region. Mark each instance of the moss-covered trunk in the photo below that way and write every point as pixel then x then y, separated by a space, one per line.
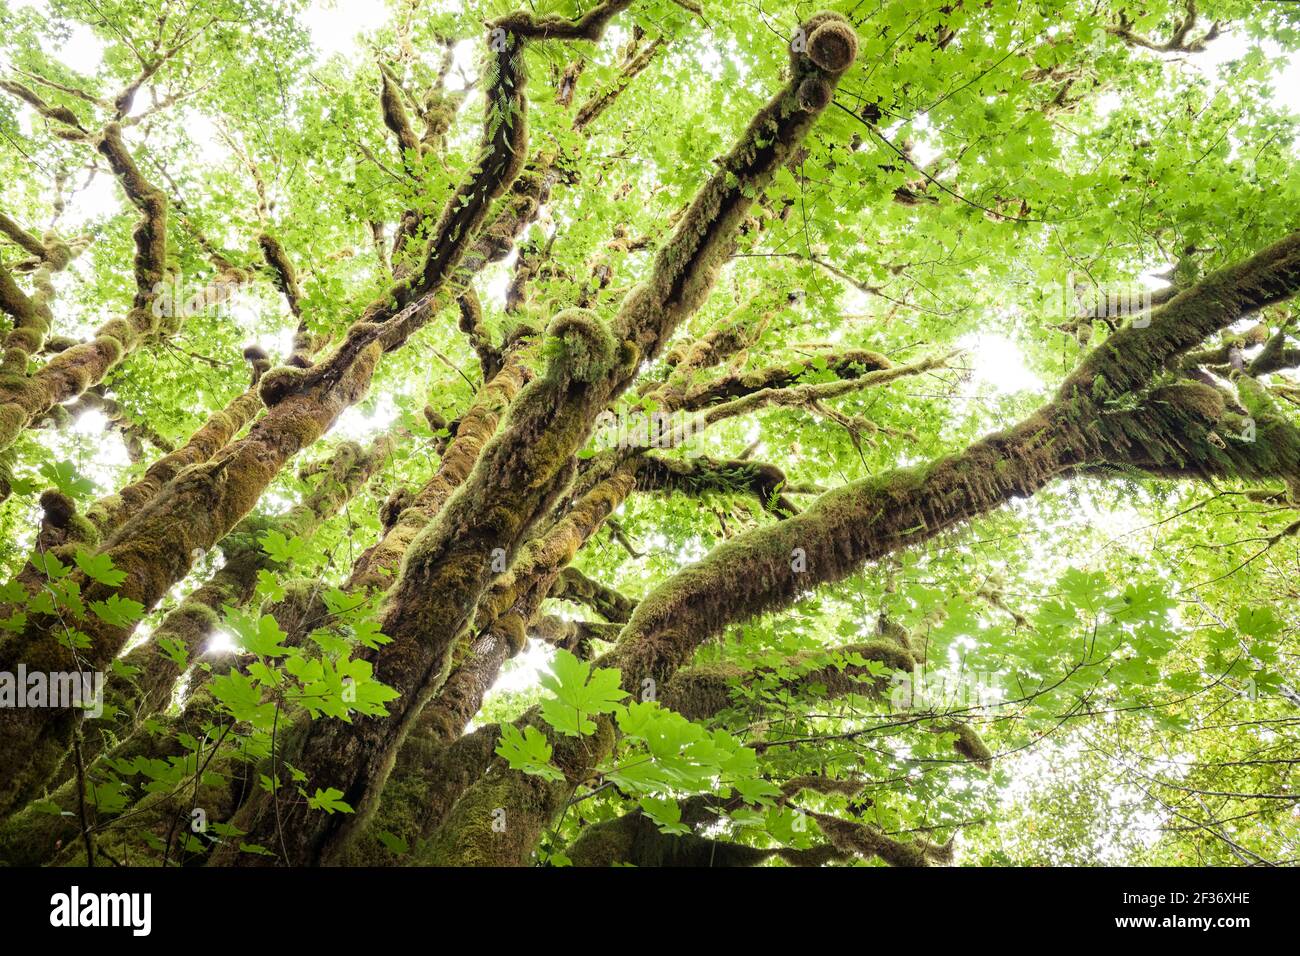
pixel 453 561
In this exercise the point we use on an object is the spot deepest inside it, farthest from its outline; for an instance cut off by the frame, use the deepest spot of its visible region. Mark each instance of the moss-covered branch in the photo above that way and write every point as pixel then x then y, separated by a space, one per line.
pixel 590 26
pixel 374 569
pixel 182 634
pixel 704 691
pixel 416 296
pixel 771 566
pixel 33 315
pixel 286 277
pixel 573 585
pixel 66 123
pixel 516 597
pixel 634 839
pixel 852 364
pixel 213 435
pixel 26 399
pixel 450 564
pixel 1128 359
pixel 698 475
pixel 37 248
pixel 602 100
pixel 869 841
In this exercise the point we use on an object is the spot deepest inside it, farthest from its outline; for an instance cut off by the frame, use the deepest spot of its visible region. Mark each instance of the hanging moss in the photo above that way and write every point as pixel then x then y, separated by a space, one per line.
pixel 846 365
pixel 969 743
pixel 1193 398
pixel 286 277
pixel 700 475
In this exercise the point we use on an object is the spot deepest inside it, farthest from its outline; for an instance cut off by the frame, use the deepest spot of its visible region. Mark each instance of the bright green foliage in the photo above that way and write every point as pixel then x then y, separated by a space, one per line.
pixel 528 751
pixel 579 694
pixel 1104 672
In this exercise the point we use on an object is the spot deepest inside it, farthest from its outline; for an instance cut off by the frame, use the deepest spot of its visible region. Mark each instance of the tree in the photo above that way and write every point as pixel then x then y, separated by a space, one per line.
pixel 712 320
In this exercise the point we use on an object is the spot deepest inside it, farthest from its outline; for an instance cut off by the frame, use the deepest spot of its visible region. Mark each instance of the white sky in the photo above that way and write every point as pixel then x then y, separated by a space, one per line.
pixel 336 25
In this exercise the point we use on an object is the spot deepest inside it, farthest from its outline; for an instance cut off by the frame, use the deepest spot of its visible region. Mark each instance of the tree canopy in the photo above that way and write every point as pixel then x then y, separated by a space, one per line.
pixel 649 432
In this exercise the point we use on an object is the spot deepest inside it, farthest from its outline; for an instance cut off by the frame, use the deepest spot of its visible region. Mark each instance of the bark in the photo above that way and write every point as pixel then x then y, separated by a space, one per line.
pixel 449 566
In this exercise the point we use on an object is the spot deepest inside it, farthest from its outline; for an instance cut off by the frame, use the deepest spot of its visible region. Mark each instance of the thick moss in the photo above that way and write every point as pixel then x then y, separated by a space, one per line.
pixel 580 346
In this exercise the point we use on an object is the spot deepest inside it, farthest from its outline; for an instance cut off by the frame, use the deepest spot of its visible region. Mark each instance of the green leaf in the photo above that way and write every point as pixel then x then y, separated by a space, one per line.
pixel 528 752
pixel 576 696
pixel 395 844
pixel 99 567
pixel 50 566
pixel 118 611
pixel 1259 622
pixel 280 549
pixel 269 586
pixel 667 814
pixel 63 475
pixel 175 651
pixel 256 635
pixel 241 697
pixel 329 800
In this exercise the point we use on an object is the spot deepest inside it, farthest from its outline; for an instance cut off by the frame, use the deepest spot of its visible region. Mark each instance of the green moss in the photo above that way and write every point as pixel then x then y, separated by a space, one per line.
pixel 278 383
pixel 1196 399
pixel 814 94
pixel 832 43
pixel 579 346
pixel 971 745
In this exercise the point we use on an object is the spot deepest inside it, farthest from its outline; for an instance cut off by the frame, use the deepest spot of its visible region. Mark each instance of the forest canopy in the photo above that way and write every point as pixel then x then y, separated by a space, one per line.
pixel 649 432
